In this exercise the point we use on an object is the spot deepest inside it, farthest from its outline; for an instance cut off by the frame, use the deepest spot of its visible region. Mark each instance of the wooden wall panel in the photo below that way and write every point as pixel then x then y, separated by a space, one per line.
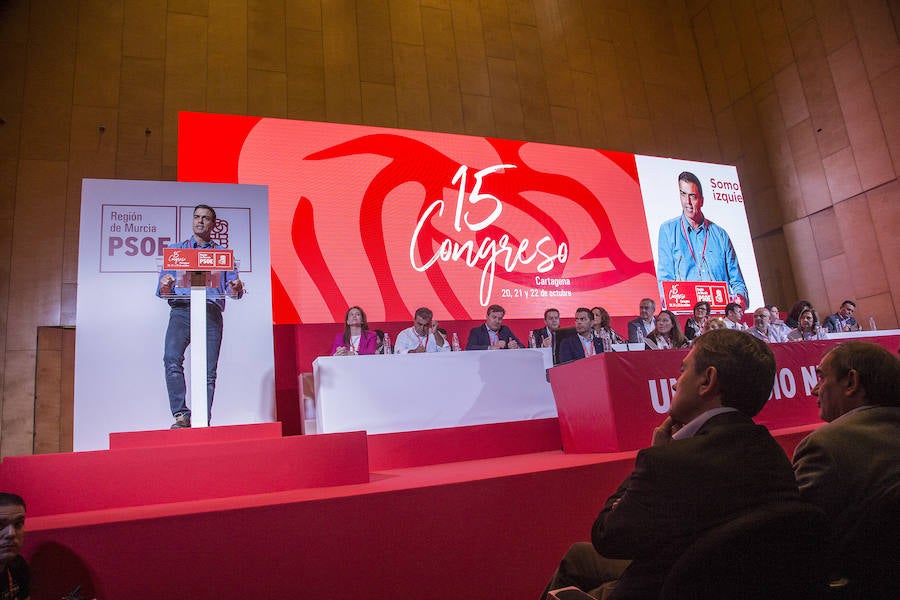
pixel 342 90
pixel 48 388
pixel 50 59
pixel 855 222
pixel 229 55
pixel 864 129
pixel 379 104
pixel 413 110
pixel 376 63
pixel 144 29
pixel 37 246
pixel 185 76
pixel 139 155
pixel 883 203
pixel 471 54
pixel 267 93
pixel 306 75
pixel 99 49
pixel 443 77
pixel 17 409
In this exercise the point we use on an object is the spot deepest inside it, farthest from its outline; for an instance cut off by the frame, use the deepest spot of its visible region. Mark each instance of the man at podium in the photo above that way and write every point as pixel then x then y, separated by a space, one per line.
pixel 178 333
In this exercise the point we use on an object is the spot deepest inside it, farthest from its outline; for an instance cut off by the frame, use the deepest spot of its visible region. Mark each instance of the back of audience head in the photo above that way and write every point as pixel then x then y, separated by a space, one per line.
pixel 745 366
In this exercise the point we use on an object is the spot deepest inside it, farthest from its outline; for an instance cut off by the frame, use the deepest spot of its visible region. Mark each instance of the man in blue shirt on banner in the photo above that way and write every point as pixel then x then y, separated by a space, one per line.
pixel 178 334
pixel 693 248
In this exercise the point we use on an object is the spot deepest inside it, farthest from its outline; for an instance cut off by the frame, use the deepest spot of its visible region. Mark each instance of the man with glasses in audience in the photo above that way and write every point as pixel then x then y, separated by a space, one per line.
pixel 762 327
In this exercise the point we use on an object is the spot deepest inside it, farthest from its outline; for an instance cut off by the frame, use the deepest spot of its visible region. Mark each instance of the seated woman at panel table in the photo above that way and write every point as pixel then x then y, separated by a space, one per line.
pixel 695 324
pixel 808 328
pixel 714 323
pixel 666 334
pixel 793 317
pixel 356 339
pixel 601 323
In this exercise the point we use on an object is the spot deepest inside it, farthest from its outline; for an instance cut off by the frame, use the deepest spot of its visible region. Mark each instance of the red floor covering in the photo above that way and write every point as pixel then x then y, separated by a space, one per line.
pixel 490 527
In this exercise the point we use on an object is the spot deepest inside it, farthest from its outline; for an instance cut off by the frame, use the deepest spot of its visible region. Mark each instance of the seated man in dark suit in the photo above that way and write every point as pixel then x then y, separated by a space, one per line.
pixel 543 336
pixel 708 464
pixel 583 344
pixel 850 468
pixel 842 320
pixel 640 328
pixel 493 335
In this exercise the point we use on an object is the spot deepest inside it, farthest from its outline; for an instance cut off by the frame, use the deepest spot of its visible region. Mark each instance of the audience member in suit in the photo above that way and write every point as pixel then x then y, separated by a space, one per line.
pixel 584 343
pixel 15 575
pixel 733 315
pixel 493 335
pixel 850 467
pixel 640 328
pixel 543 336
pixel 708 464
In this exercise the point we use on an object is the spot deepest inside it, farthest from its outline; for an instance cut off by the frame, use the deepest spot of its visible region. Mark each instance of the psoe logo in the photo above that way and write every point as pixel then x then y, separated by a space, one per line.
pixel 206 259
pixel 219 233
pixel 704 294
pixel 676 298
pixel 177 259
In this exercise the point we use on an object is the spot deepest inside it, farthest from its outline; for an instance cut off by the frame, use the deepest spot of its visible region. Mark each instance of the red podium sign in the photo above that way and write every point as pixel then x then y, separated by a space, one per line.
pixel 197 259
pixel 681 296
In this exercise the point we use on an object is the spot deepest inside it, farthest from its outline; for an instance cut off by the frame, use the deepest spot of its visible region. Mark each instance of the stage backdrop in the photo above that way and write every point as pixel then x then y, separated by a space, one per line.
pixel 394 219
pixel 119 380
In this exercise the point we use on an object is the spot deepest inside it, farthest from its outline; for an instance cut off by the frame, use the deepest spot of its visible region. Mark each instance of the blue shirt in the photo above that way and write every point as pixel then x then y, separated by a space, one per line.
pixel 215 295
pixel 718 263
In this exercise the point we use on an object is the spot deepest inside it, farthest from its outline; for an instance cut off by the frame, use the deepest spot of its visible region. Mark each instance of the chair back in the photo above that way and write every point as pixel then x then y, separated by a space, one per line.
pixel 774 552
pixel 558 336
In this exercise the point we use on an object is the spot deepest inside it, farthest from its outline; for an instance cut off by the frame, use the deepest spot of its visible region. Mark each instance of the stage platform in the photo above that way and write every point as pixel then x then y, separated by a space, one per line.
pixel 469 512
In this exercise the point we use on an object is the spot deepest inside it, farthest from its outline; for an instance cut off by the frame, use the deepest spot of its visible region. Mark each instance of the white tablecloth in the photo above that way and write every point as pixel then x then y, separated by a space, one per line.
pixel 408 392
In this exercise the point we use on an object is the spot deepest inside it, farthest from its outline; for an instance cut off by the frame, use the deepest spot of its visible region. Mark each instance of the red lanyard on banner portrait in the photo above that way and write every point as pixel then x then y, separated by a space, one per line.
pixel 691 247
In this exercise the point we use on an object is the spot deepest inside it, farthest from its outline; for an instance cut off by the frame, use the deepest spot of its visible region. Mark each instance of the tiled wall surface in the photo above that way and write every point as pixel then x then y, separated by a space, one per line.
pixel 802 95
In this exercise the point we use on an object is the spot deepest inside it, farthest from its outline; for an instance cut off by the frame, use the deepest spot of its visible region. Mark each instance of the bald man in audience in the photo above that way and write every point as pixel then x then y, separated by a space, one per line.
pixel 763 328
pixel 850 467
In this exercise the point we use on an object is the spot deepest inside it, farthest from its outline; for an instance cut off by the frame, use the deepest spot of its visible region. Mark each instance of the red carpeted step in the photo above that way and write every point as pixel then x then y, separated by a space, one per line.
pixel 203 435
pixel 83 481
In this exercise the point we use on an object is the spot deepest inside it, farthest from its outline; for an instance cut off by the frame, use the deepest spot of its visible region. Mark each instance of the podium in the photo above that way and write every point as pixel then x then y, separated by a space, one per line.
pixel 203 272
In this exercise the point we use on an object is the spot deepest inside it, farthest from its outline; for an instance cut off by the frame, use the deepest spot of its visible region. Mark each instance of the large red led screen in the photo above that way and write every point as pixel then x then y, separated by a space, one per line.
pixel 394 219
